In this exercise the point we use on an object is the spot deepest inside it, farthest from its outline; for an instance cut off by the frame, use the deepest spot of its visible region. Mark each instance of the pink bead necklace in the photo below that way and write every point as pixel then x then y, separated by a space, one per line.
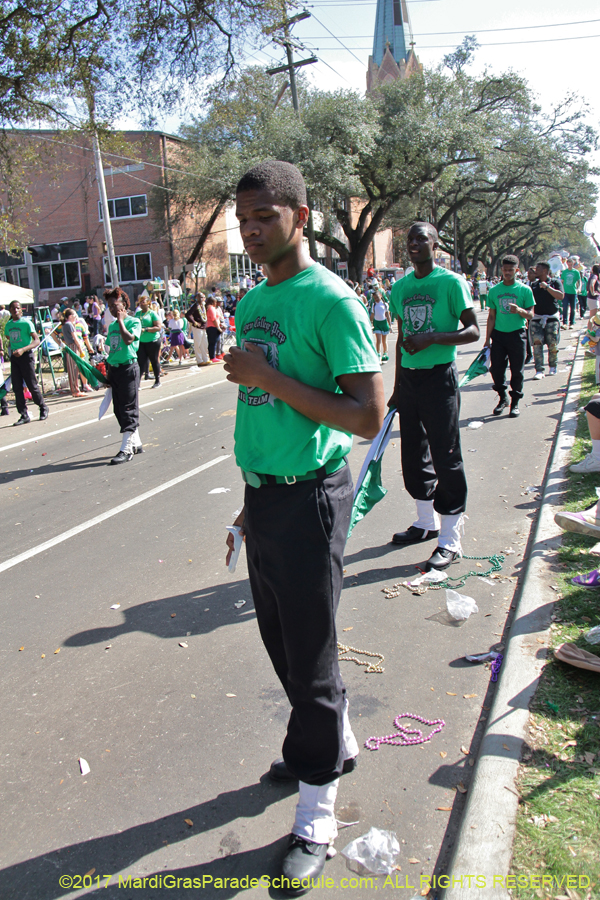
pixel 407 735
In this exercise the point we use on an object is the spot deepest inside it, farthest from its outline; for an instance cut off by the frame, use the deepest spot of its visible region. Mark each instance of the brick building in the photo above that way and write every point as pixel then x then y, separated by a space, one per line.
pixel 66 256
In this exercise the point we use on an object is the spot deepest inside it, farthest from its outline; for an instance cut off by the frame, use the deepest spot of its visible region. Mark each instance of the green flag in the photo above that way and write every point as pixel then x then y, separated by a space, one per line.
pixel 5 388
pixel 479 366
pixel 93 375
pixel 369 493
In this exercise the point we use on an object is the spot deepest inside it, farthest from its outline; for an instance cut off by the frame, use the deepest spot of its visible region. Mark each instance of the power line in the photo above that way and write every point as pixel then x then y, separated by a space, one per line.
pixel 580 37
pixel 338 40
pixel 473 31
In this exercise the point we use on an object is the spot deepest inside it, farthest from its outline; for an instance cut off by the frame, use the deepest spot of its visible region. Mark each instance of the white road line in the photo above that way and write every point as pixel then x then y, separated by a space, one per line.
pixel 162 399
pixel 47 545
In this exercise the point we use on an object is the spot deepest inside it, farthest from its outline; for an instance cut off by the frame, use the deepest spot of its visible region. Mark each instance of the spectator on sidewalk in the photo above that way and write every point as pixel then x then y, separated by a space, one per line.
pixel 23 340
pixel 591 463
pixel 510 307
pixel 196 316
pixel 593 290
pixel 571 280
pixel 545 325
pixel 435 313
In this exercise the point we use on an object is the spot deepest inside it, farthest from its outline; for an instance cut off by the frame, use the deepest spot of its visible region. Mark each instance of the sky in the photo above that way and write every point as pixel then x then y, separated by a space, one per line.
pixel 541 39
pixel 555 46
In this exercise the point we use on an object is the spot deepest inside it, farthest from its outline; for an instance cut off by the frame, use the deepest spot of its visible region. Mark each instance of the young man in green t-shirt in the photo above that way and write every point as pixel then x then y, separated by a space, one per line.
pixel 510 307
pixel 435 313
pixel 309 379
pixel 23 340
pixel 571 280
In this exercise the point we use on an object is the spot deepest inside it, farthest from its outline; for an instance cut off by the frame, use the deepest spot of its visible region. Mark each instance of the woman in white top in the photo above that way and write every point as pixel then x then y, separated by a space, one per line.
pixel 382 324
pixel 176 338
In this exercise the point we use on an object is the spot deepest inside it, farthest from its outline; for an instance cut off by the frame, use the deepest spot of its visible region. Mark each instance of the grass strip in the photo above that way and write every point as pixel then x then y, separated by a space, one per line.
pixel 556 851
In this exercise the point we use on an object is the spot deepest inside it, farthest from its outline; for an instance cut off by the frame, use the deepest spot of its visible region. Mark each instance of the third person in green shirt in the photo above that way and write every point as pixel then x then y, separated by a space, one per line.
pixel 510 307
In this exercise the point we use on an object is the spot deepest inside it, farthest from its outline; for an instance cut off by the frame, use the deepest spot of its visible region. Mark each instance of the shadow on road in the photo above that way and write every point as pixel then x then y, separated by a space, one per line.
pixel 197 612
pixel 38 878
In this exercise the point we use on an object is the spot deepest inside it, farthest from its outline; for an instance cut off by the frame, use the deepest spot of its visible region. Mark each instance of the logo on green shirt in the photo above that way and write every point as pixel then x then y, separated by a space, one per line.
pixel 418 314
pixel 271 351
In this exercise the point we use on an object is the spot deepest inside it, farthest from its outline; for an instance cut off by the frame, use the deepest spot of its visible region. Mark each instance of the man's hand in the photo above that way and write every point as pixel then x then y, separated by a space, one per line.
pixel 248 367
pixel 239 521
pixel 414 343
pixel 513 308
pixel 18 352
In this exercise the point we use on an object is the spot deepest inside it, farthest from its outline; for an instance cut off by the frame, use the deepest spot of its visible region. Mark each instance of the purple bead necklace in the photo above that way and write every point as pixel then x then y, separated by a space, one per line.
pixel 407 736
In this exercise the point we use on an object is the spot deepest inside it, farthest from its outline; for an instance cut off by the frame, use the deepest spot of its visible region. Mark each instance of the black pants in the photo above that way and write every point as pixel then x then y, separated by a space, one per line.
pixel 22 369
pixel 212 335
pixel 508 348
pixel 125 382
pixel 432 465
pixel 295 538
pixel 148 353
pixel 582 304
pixel 569 306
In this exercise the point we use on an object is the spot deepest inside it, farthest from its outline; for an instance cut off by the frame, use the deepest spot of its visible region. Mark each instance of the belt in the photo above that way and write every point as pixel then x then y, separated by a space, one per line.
pixel 256 480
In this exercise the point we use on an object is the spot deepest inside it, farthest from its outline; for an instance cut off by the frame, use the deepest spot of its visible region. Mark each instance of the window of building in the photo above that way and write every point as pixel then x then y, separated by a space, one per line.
pixel 131 267
pixel 60 275
pixel 240 264
pixel 126 207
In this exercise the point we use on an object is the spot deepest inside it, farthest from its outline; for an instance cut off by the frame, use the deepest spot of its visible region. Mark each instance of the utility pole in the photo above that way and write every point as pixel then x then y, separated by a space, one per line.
pixel 455 246
pixel 291 67
pixel 110 247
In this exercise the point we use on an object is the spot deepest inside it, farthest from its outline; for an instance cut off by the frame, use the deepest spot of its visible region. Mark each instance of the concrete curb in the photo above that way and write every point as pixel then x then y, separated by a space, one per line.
pixel 485 839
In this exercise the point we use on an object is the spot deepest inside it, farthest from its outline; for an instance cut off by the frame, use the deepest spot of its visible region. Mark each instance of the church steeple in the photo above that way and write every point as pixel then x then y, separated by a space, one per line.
pixel 393 46
pixel 392 26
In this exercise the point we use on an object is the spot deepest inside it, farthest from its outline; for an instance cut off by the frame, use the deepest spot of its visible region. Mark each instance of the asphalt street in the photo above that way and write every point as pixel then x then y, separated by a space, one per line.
pixel 179 738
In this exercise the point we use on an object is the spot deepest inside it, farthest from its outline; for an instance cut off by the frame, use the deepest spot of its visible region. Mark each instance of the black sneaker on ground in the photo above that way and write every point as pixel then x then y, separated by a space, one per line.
pixel 4 412
pixel 413 535
pixel 156 384
pixel 514 411
pixel 303 861
pixel 44 412
pixel 280 772
pixel 441 559
pixel 121 457
pixel 502 404
pixel 24 420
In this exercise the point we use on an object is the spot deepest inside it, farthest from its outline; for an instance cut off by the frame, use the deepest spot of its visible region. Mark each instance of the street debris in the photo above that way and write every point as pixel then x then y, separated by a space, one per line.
pixel 459 606
pixel 374 852
pixel 231 695
pixel 116 606
pixel 239 604
pixel 220 491
pixel 474 424
pixel 84 766
pixel 483 657
pixel 183 644
pixel 370 667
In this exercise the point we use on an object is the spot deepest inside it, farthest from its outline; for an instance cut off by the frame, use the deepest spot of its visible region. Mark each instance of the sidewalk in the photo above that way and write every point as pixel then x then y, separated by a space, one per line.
pixel 485 840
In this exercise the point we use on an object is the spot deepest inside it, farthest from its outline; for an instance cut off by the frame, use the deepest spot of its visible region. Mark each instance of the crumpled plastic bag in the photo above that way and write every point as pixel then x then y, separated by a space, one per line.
pixel 460 607
pixel 373 853
pixel 593 635
pixel 432 577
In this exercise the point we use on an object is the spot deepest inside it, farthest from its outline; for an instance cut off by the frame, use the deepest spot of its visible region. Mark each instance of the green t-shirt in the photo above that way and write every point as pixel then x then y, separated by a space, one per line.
pixel 430 304
pixel 571 279
pixel 20 333
pixel 120 353
pixel 313 328
pixel 148 320
pixel 499 298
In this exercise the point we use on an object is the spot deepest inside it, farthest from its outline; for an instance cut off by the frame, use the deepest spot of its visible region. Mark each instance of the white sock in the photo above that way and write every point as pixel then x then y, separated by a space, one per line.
pixel 350 743
pixel 596 450
pixel 427 518
pixel 136 439
pixel 315 816
pixel 125 441
pixel 450 531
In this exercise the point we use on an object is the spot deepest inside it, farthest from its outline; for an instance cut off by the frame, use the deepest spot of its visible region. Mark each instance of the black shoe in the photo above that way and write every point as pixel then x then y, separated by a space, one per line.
pixel 121 457
pixel 528 360
pixel 156 384
pixel 514 411
pixel 43 413
pixel 502 404
pixel 280 772
pixel 4 412
pixel 413 535
pixel 303 861
pixel 24 420
pixel 146 377
pixel 441 559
